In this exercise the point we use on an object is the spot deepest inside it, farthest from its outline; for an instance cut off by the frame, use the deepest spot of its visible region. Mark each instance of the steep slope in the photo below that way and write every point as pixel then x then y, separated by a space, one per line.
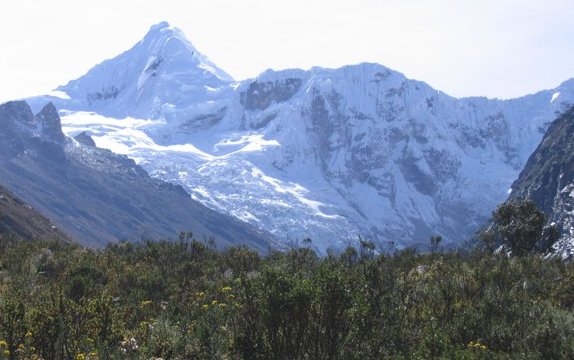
pixel 20 220
pixel 330 154
pixel 97 196
pixel 548 179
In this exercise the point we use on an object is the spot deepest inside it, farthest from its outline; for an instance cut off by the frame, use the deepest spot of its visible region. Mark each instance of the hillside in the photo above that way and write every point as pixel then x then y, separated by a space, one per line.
pixel 19 220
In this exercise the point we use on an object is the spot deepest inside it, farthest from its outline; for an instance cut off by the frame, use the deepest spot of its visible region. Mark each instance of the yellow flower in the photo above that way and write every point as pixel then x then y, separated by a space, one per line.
pixel 231 296
pixel 21 346
pixel 6 352
pixel 214 302
pixel 81 356
pixel 226 289
pixel 3 343
pixel 93 354
pixel 146 302
pixel 200 294
pixel 476 345
pixel 222 305
pixel 204 306
pixel 29 334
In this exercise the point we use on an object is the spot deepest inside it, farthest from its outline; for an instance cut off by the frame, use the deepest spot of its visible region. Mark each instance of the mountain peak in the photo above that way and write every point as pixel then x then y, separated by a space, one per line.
pixel 50 123
pixel 160 25
pixel 18 109
pixel 157 70
pixel 163 32
pixel 158 29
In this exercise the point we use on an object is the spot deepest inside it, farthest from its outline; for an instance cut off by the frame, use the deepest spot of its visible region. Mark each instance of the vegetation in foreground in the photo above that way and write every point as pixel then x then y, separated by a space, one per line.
pixel 188 301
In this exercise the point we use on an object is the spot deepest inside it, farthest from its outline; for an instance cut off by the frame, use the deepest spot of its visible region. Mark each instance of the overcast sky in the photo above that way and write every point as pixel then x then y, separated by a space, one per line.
pixel 494 48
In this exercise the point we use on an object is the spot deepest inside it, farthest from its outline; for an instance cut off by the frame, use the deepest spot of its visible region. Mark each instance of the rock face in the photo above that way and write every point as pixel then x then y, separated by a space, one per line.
pixel 85 139
pixel 548 179
pixel 97 196
pixel 326 154
pixel 49 124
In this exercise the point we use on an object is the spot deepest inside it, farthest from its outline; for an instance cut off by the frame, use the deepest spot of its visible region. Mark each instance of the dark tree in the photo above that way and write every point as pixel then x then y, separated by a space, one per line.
pixel 434 242
pixel 516 224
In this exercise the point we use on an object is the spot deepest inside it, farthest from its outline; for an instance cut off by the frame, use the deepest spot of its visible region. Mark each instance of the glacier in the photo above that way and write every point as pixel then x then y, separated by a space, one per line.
pixel 333 155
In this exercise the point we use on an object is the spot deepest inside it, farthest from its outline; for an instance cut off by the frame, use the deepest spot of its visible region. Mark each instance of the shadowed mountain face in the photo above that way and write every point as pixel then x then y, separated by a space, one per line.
pixel 548 179
pixel 97 196
pixel 21 221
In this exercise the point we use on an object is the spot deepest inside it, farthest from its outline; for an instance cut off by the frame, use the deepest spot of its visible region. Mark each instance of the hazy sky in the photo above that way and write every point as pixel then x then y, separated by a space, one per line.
pixel 495 48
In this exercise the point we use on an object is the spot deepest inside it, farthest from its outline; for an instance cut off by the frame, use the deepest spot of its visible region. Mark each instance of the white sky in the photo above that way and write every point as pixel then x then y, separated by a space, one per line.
pixel 495 48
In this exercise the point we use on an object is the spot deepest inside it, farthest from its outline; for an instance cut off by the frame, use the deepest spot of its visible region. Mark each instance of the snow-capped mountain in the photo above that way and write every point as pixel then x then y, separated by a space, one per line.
pixel 326 154
pixel 159 72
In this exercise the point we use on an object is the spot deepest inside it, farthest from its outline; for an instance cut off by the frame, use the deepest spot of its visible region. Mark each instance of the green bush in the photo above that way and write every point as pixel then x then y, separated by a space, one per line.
pixel 186 300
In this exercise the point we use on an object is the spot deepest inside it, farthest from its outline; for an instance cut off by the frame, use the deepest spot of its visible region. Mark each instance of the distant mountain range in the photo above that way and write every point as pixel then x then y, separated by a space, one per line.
pixel 326 154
